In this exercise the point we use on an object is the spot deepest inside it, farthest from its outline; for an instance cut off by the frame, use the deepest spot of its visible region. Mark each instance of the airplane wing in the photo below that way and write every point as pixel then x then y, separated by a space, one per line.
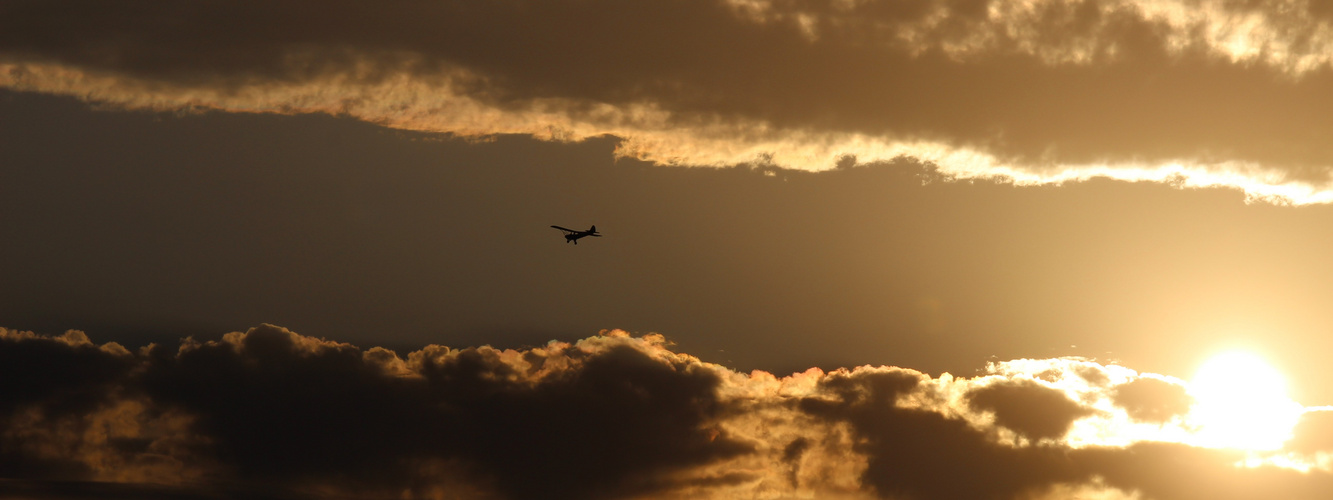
pixel 565 229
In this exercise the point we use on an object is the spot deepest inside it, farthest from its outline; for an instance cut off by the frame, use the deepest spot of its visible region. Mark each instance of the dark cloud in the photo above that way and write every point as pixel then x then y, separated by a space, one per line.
pixel 791 454
pixel 278 409
pixel 63 375
pixel 269 413
pixel 909 451
pixel 51 379
pixel 622 416
pixel 1036 87
pixel 274 408
pixel 600 423
pixel 1152 400
pixel 1028 408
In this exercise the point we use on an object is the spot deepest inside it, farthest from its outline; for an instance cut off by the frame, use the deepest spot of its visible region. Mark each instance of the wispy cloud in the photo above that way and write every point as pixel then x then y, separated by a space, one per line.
pixel 611 416
pixel 1210 93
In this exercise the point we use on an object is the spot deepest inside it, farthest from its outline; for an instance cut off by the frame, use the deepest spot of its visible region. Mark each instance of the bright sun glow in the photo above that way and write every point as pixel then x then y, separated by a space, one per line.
pixel 1241 402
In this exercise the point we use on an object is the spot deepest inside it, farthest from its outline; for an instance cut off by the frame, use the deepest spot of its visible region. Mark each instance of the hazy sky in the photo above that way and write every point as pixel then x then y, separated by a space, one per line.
pixel 853 249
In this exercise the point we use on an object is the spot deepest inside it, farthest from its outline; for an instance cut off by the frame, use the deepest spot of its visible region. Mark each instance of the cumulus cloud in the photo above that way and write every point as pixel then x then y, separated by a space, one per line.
pixel 605 418
pixel 1152 400
pixel 1194 93
pixel 611 416
pixel 1028 408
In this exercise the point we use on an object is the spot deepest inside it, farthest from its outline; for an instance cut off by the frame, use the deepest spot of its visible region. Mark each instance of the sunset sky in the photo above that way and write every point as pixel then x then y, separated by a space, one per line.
pixel 853 249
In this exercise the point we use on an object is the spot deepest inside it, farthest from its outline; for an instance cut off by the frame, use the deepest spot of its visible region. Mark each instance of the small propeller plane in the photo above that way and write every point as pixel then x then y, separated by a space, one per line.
pixel 573 235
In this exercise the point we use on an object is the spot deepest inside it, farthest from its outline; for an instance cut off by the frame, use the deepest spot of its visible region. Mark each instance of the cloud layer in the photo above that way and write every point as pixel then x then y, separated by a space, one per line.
pixel 1194 93
pixel 611 416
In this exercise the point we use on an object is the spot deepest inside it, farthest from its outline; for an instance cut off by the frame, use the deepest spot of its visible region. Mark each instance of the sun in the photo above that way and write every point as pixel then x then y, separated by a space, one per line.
pixel 1241 403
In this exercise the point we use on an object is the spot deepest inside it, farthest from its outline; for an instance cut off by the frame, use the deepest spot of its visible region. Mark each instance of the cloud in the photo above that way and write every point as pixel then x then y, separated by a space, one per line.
pixel 67 412
pixel 65 374
pixel 916 453
pixel 1313 432
pixel 1200 93
pixel 611 416
pixel 600 419
pixel 1152 400
pixel 604 418
pixel 1032 410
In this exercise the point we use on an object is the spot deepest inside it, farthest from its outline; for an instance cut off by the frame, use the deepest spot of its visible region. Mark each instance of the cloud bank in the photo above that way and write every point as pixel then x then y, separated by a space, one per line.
pixel 274 413
pixel 1193 93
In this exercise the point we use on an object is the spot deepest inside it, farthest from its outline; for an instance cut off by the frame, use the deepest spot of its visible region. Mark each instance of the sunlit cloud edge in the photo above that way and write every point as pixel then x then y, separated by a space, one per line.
pixel 645 131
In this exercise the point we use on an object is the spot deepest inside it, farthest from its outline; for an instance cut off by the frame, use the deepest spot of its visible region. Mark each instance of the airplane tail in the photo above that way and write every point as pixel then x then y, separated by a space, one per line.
pixel 592 229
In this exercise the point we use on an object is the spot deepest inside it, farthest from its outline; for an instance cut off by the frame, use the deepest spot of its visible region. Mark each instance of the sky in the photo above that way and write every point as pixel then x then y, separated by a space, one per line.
pixel 852 249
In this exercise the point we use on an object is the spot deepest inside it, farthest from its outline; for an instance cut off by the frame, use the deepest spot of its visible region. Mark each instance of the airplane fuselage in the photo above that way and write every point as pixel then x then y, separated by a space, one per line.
pixel 572 235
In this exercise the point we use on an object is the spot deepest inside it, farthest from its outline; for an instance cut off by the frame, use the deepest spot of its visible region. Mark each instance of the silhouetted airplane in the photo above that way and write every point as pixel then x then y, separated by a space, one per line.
pixel 572 235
